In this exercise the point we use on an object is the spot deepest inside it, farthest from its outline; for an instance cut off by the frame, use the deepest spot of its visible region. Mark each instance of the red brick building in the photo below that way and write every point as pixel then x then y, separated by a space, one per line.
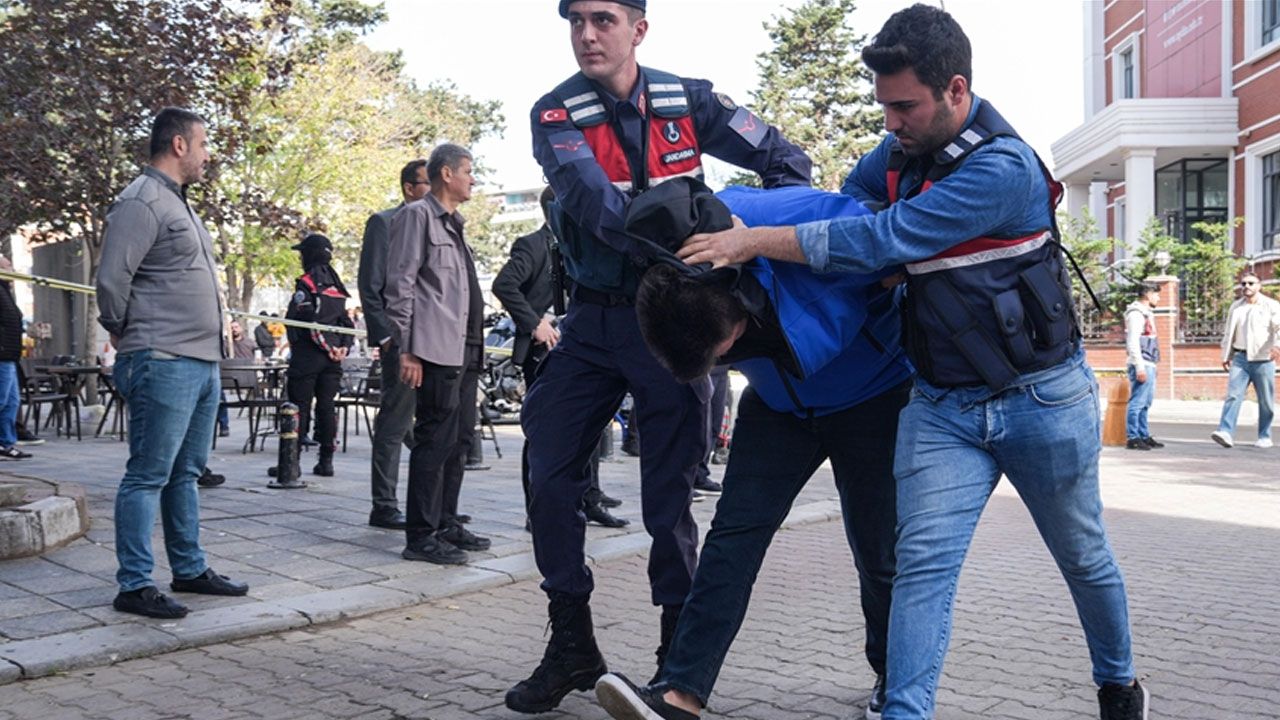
pixel 1182 105
pixel 1182 123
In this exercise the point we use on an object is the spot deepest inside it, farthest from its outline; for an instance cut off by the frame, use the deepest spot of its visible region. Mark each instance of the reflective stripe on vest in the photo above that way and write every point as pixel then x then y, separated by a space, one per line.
pixel 673 149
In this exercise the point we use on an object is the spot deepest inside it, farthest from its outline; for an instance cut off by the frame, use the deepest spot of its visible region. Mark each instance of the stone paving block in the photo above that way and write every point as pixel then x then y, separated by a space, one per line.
pixel 516 567
pixel 26 606
pixel 85 648
pixel 233 623
pixel 444 582
pixel 617 546
pixel 34 626
pixel 332 605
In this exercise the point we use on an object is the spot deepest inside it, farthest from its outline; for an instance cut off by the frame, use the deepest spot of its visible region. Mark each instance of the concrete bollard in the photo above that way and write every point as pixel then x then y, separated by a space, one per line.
pixel 287 470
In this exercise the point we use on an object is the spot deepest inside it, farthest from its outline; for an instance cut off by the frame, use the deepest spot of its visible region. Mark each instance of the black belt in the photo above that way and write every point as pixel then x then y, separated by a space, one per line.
pixel 596 297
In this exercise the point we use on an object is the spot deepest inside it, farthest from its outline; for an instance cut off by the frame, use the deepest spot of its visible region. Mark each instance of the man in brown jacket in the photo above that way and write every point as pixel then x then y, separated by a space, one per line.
pixel 434 305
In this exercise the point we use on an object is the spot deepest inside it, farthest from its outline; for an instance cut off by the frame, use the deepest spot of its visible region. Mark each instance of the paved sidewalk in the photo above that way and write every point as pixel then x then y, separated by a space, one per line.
pixel 1197 545
pixel 311 558
pixel 308 555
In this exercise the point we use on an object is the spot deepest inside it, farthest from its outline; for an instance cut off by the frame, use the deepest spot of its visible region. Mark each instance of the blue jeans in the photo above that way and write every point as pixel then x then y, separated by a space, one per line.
pixel 1262 375
pixel 1140 396
pixel 1043 434
pixel 774 455
pixel 172 402
pixel 10 399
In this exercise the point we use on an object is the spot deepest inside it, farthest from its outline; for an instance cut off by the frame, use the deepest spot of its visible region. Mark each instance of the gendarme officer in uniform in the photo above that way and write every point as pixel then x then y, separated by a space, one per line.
pixel 1002 387
pixel 602 137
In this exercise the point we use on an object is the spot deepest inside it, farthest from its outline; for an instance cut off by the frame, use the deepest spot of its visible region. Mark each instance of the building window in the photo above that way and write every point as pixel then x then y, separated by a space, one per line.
pixel 1126 73
pixel 1270 21
pixel 1270 200
pixel 1189 192
pixel 1126 69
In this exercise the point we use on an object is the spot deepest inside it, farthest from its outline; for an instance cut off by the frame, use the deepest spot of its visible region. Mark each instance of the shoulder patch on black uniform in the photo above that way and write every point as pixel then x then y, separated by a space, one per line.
pixel 726 101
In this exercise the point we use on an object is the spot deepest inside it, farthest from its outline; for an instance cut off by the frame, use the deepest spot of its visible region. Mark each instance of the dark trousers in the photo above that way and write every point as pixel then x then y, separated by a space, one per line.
pixel 715 413
pixel 530 371
pixel 600 357
pixel 774 455
pixel 468 435
pixel 390 432
pixel 315 379
pixel 434 481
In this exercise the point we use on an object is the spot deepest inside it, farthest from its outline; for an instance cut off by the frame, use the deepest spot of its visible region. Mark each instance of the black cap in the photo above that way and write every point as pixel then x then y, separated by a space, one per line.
pixel 314 241
pixel 638 4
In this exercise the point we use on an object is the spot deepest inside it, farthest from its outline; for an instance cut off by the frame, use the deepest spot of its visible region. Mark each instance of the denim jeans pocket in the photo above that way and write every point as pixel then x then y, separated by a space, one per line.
pixel 1068 388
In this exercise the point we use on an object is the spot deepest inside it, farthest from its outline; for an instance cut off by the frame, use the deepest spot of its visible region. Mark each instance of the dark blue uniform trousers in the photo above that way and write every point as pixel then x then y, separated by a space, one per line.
pixel 600 357
pixel 774 454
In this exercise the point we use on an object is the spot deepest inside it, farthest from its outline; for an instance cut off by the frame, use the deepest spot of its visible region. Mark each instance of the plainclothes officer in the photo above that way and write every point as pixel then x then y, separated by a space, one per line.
pixel 1003 386
pixel 315 364
pixel 602 137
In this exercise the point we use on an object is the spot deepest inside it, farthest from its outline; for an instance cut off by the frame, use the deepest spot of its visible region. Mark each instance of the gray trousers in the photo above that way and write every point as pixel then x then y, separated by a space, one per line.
pixel 391 430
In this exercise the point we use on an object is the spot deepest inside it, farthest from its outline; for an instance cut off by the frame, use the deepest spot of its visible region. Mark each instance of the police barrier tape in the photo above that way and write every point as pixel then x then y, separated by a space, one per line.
pixel 68 286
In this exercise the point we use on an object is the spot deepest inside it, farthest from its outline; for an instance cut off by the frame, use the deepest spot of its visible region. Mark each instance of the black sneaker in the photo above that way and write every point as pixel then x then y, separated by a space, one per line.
pixel 707 486
pixel 462 538
pixel 624 701
pixel 1123 702
pixel 1136 444
pixel 434 550
pixel 25 437
pixel 150 602
pixel 13 453
pixel 1152 442
pixel 875 704
pixel 209 583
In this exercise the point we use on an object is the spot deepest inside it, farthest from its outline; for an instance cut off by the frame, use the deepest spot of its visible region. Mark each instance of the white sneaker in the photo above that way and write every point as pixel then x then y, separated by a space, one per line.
pixel 1223 438
pixel 1263 443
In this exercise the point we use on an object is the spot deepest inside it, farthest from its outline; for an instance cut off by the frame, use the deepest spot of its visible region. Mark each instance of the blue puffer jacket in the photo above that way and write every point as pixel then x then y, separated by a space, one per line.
pixel 842 328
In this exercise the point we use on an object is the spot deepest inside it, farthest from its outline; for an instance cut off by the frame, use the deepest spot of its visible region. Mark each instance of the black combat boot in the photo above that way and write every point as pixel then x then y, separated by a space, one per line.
pixel 324 468
pixel 670 618
pixel 571 662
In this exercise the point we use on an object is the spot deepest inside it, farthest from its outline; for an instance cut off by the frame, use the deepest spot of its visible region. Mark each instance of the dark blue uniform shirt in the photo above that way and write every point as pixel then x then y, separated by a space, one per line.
pixel 598 207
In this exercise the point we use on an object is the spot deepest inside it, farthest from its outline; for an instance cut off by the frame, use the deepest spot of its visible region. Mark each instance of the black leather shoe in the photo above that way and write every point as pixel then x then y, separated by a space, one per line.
pixel 608 502
pixel 475 467
pixel 210 478
pixel 1152 442
pixel 390 521
pixel 463 538
pixel 600 516
pixel 150 602
pixel 434 550
pixel 1136 444
pixel 462 518
pixel 209 583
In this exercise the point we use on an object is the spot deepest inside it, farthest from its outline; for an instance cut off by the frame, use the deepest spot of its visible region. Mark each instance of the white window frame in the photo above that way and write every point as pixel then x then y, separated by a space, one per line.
pixel 1254 50
pixel 1253 155
pixel 1129 44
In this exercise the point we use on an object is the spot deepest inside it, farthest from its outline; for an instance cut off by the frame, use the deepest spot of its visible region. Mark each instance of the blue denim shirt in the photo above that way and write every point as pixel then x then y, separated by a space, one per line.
pixel 998 190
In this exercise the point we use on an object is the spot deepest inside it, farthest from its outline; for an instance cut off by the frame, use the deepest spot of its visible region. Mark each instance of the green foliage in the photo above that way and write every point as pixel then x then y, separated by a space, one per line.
pixel 815 89
pixel 314 129
pixel 1080 236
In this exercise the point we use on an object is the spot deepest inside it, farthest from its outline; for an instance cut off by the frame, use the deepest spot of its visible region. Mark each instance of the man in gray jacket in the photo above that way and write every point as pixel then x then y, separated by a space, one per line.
pixel 395 400
pixel 435 309
pixel 157 256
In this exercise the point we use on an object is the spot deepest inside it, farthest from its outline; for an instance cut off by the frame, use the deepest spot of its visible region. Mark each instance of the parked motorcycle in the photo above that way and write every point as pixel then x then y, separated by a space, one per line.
pixel 502 386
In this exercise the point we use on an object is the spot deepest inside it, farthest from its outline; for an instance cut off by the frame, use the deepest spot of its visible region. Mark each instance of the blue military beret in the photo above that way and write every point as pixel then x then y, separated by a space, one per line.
pixel 564 5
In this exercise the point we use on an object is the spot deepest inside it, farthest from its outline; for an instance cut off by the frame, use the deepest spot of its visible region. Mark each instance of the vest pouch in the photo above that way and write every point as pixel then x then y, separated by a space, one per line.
pixel 1048 306
pixel 979 349
pixel 1012 323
